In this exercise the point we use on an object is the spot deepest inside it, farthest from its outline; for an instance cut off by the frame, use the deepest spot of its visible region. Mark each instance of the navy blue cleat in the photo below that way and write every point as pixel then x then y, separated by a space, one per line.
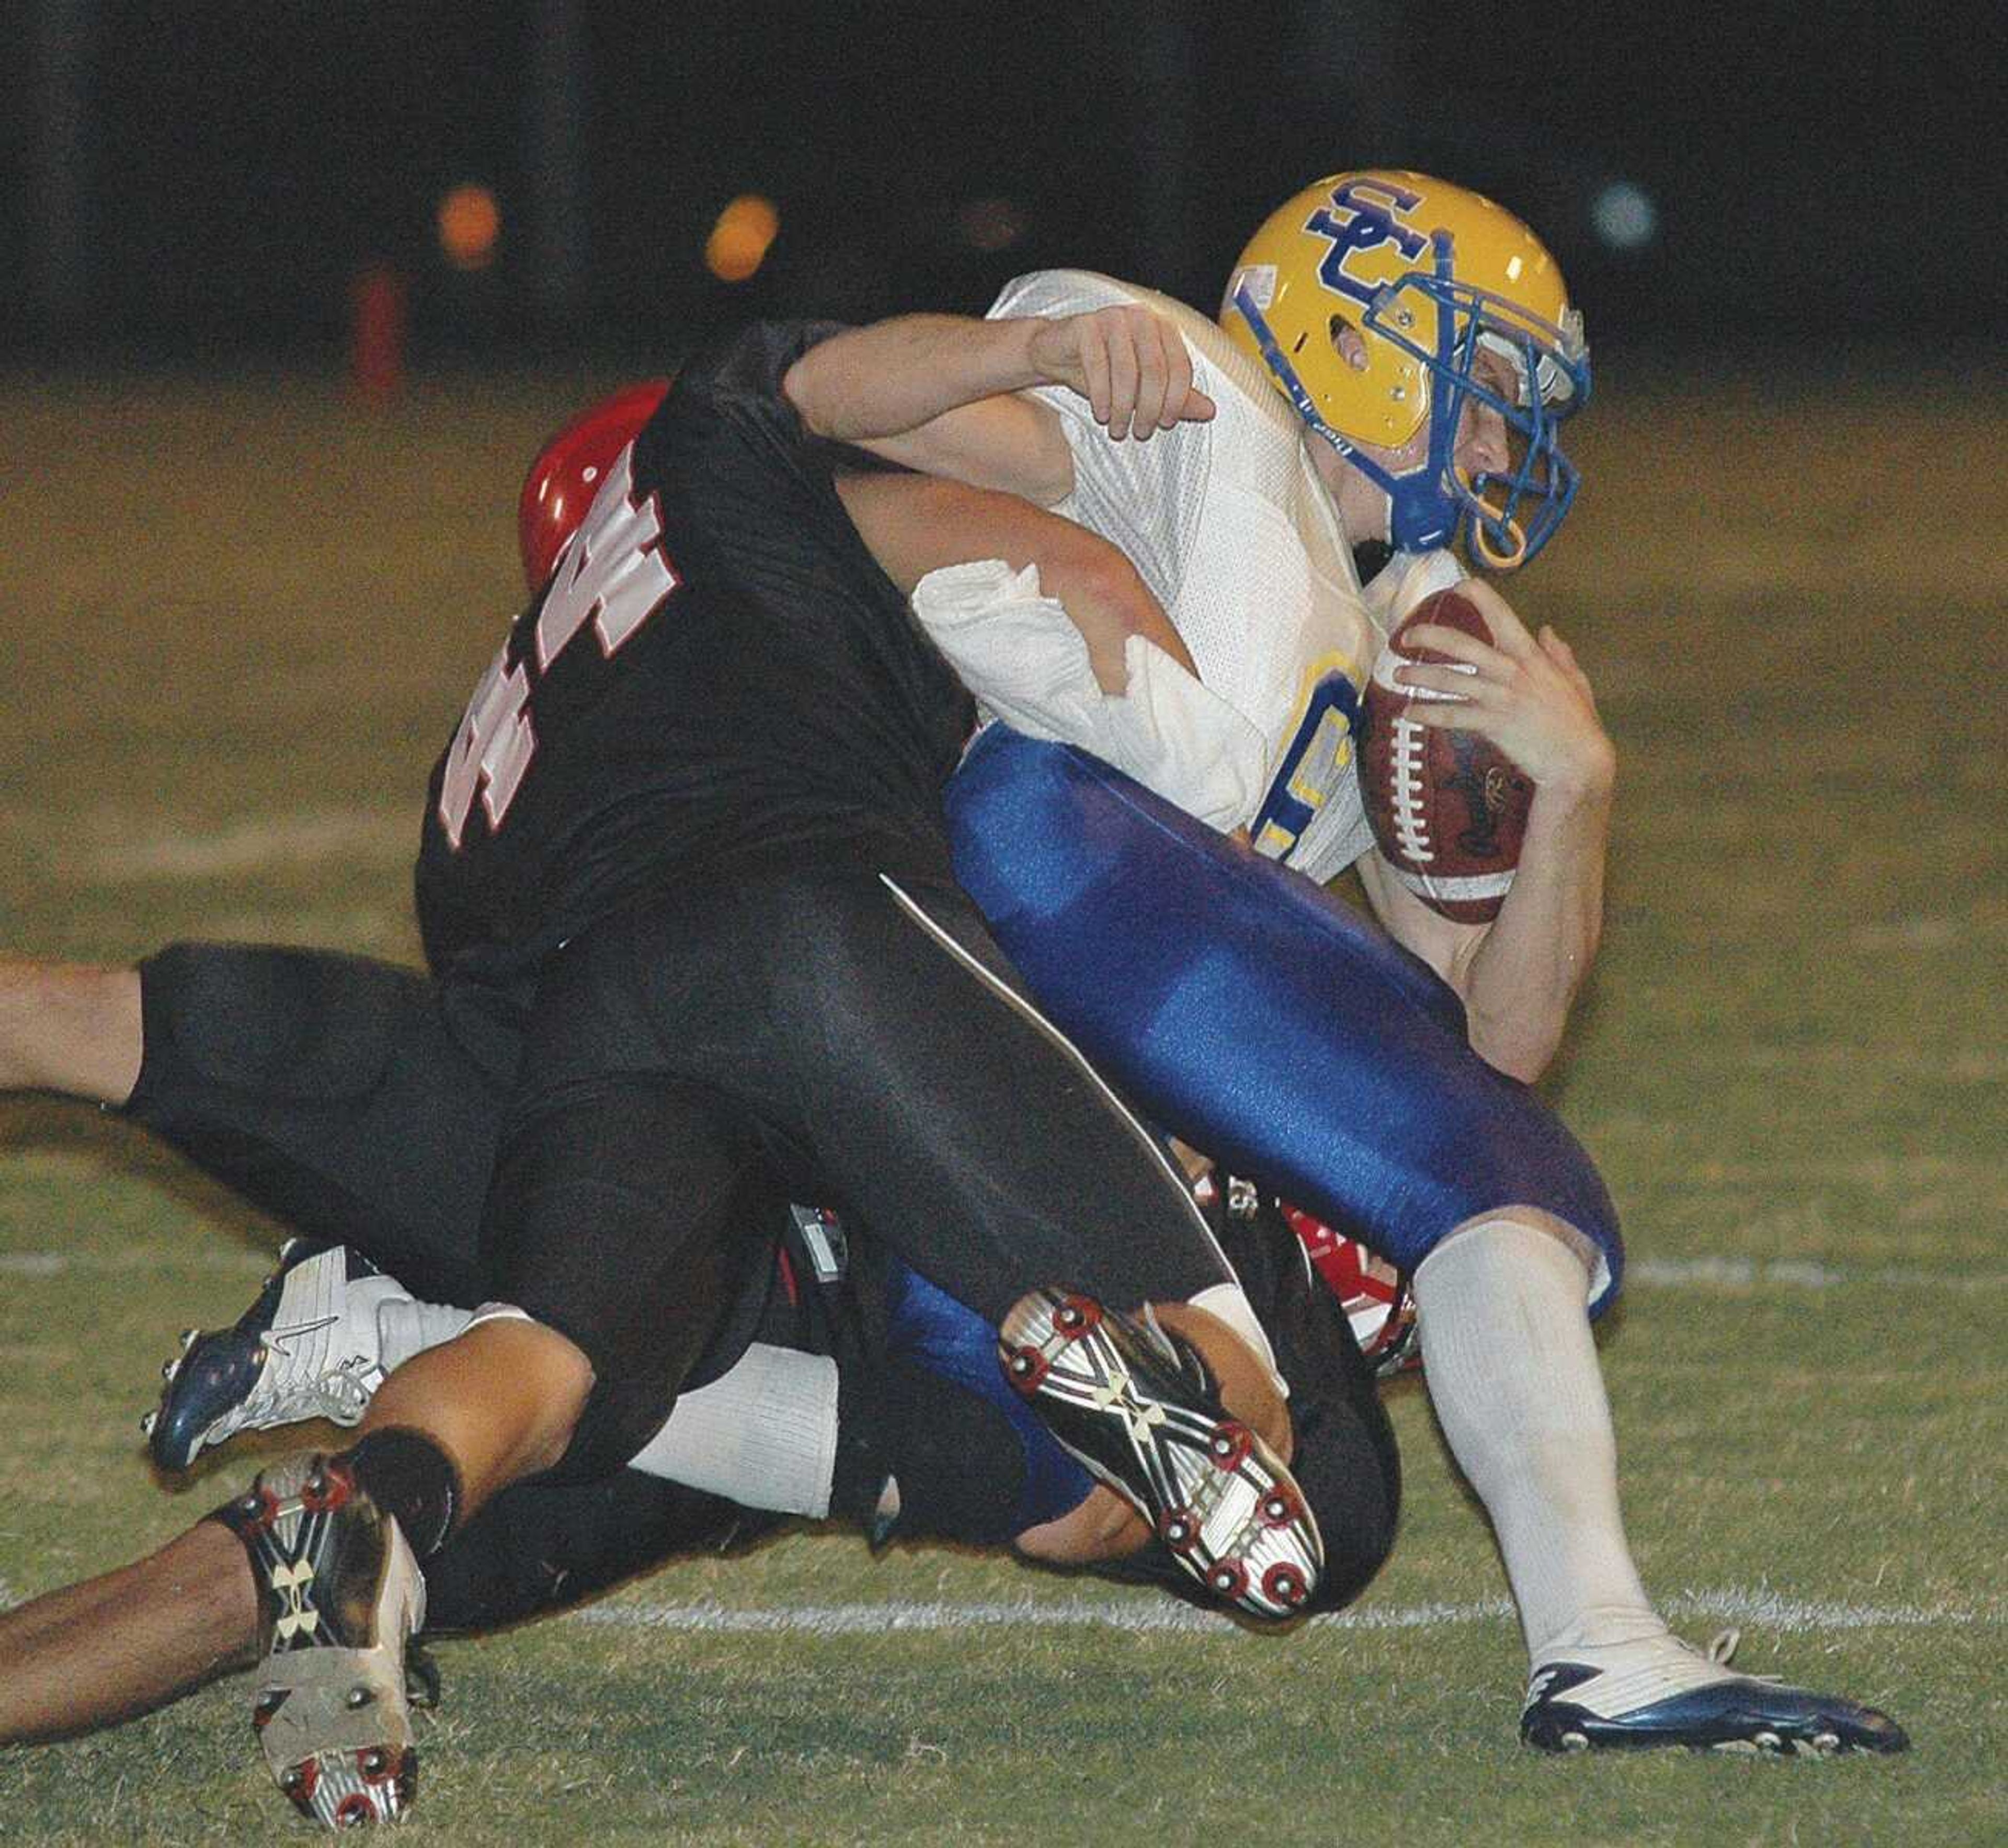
pixel 308 1347
pixel 1138 1408
pixel 1635 1695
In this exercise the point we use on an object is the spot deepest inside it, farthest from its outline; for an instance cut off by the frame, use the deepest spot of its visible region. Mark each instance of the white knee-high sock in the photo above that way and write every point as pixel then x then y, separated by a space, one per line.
pixel 763 1435
pixel 406 1326
pixel 1513 1374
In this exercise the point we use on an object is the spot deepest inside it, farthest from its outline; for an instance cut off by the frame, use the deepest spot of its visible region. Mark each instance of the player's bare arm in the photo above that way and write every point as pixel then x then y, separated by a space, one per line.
pixel 935 391
pixel 1519 975
pixel 916 524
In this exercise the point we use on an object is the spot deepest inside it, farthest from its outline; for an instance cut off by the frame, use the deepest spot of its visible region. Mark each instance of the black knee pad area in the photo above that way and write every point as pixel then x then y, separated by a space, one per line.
pixel 959 1464
pixel 293 1024
pixel 542 1546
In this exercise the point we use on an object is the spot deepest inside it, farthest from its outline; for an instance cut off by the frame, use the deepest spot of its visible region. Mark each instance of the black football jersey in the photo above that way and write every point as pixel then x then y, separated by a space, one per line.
pixel 718 665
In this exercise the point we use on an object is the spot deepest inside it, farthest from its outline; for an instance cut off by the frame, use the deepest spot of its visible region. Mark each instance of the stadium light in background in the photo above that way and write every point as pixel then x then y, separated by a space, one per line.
pixel 740 239
pixel 470 226
pixel 1623 216
pixel 990 225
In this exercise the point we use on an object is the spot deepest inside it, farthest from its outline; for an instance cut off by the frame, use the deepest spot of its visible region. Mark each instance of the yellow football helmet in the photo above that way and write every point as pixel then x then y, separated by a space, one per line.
pixel 1428 275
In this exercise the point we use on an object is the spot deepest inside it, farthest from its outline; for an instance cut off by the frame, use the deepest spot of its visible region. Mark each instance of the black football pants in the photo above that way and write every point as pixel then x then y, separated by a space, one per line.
pixel 607 1151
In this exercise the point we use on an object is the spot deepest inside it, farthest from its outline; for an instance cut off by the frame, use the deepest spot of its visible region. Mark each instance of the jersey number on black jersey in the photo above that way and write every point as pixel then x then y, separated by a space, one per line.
pixel 612 574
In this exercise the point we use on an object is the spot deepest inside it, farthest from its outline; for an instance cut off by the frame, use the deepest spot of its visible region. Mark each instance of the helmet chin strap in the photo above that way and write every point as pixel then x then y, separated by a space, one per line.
pixel 1487 520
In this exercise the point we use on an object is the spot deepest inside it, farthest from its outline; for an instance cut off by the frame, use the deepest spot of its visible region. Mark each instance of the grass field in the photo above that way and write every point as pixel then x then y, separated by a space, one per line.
pixel 236 623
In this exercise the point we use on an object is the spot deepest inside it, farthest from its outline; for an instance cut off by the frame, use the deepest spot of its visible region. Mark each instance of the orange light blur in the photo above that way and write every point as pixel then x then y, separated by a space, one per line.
pixel 470 226
pixel 740 240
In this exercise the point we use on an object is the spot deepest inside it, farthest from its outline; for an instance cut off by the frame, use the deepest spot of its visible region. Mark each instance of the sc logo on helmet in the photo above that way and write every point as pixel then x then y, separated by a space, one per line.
pixel 1368 223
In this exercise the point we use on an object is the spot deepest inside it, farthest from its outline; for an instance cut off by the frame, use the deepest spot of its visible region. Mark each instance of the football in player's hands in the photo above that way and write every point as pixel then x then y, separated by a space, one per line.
pixel 1448 808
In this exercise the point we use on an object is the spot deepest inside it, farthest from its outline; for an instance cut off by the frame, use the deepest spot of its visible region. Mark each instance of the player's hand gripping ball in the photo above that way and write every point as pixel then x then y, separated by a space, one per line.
pixel 1448 808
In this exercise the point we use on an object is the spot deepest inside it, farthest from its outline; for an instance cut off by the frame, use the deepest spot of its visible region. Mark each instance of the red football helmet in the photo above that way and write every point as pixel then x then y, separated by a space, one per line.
pixel 565 476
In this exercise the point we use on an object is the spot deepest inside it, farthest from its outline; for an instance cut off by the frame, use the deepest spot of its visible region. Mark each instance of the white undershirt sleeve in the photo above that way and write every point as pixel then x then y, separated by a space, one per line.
pixel 1021 655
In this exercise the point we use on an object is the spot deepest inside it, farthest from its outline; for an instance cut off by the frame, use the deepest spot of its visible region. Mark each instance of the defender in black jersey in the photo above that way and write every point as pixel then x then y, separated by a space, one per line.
pixel 717 669
pixel 685 890
pixel 695 805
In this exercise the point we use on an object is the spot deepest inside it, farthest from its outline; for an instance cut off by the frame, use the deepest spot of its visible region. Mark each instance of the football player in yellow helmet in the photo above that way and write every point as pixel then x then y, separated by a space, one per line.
pixel 1401 353
pixel 1386 306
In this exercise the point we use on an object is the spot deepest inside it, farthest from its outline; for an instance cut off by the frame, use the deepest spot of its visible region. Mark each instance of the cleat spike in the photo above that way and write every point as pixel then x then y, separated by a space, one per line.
pixel 422 1677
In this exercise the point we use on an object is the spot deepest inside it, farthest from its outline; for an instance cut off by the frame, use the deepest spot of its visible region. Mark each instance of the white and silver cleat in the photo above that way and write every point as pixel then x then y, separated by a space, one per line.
pixel 308 1347
pixel 340 1597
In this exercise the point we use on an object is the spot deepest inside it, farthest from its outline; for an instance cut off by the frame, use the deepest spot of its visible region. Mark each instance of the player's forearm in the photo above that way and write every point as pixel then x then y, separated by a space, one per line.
pixel 1524 975
pixel 934 392
pixel 1107 602
pixel 913 526
pixel 894 375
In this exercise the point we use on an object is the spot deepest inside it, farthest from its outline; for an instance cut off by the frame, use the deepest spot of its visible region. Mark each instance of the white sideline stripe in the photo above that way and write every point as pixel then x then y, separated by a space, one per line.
pixel 1771 1610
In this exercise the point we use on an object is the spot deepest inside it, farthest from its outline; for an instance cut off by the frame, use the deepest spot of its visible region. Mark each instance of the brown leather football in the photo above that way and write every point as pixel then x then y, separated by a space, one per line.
pixel 1448 808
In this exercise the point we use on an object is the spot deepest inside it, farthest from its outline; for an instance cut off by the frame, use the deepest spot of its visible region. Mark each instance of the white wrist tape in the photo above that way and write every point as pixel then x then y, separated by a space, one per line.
pixel 1021 655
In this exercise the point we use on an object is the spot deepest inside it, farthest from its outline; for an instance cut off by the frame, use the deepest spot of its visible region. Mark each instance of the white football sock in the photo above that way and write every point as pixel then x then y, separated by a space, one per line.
pixel 763 1435
pixel 406 1326
pixel 1513 1374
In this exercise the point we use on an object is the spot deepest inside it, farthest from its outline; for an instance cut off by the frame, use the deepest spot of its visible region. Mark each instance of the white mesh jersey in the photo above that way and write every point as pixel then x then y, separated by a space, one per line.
pixel 1230 527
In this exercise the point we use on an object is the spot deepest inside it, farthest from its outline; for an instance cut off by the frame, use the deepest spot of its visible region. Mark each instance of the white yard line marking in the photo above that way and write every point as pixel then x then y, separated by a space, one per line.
pixel 1771 1610
pixel 1718 1273
pixel 1707 1273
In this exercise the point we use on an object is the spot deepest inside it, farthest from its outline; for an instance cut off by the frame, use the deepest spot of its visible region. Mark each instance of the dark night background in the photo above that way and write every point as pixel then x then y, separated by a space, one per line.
pixel 206 178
